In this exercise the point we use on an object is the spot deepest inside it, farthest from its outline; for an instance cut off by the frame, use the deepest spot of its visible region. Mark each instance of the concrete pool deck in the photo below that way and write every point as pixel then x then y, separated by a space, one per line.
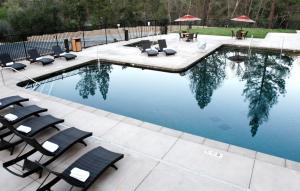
pixel 156 158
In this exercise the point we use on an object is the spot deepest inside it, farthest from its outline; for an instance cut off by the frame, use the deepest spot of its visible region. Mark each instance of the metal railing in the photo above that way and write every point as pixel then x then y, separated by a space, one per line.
pixel 13 69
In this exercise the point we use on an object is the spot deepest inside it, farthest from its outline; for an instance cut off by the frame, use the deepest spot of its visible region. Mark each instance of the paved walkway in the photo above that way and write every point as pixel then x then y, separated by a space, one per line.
pixel 156 158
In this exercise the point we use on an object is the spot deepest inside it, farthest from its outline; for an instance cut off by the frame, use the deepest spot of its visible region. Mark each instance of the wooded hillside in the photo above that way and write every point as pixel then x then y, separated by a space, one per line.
pixel 44 15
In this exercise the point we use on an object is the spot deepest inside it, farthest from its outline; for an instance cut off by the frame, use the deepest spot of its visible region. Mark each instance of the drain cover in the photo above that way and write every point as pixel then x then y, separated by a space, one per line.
pixel 213 153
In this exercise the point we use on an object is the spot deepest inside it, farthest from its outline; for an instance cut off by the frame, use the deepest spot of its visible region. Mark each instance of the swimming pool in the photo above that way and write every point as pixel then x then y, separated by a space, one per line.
pixel 248 101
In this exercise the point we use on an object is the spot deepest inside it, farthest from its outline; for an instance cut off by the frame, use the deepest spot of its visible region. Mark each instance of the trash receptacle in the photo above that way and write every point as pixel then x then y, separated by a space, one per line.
pixel 76 44
pixel 126 35
pixel 67 47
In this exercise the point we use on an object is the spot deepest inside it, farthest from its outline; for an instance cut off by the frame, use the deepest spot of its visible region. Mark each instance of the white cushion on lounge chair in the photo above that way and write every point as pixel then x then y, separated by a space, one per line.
pixel 79 174
pixel 39 58
pixel 62 54
pixel 10 117
pixel 24 129
pixel 9 63
pixel 0 103
pixel 49 146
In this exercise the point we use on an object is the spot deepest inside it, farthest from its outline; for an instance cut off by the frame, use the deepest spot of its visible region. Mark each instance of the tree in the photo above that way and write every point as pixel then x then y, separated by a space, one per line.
pixel 207 77
pixel 265 81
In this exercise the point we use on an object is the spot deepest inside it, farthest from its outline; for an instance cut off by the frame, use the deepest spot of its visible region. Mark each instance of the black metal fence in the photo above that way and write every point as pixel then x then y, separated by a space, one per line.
pixel 18 45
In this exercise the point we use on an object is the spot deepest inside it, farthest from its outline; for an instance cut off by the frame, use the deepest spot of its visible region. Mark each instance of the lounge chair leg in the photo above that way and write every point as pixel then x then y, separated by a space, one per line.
pixel 71 188
pixel 41 173
pixel 114 166
pixel 82 142
pixel 12 149
pixel 56 128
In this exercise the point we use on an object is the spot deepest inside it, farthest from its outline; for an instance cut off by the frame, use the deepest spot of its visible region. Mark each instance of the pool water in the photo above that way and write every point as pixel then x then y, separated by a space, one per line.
pixel 248 100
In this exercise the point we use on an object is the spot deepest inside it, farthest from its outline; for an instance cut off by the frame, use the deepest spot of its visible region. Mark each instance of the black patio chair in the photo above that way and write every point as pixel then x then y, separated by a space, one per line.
pixel 96 162
pixel 146 47
pixel 245 35
pixel 58 52
pixel 37 125
pixel 190 37
pixel 34 56
pixel 64 139
pixel 7 61
pixel 21 113
pixel 11 100
pixel 196 35
pixel 239 35
pixel 232 34
pixel 163 48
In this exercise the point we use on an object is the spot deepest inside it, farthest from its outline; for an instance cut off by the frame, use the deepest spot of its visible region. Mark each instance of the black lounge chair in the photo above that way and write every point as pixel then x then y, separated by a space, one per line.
pixel 37 124
pixel 163 48
pixel 64 139
pixel 34 56
pixel 58 52
pixel 6 61
pixel 11 100
pixel 146 47
pixel 22 113
pixel 96 162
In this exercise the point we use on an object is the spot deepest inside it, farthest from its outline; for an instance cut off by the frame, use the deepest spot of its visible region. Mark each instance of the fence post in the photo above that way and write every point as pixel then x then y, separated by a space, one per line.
pixel 155 27
pixel 56 39
pixel 24 45
pixel 83 37
pixel 105 33
pixel 141 31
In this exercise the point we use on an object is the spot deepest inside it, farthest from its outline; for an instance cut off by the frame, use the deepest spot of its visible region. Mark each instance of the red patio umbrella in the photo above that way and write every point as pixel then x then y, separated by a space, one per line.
pixel 187 18
pixel 243 18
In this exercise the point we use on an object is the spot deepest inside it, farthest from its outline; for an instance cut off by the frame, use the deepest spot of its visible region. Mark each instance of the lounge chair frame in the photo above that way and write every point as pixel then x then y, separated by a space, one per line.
pixel 31 166
pixel 37 124
pixel 12 100
pixel 106 159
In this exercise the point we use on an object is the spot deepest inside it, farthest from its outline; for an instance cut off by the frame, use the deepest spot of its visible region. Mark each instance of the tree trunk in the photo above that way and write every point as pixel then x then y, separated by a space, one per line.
pixel 235 7
pixel 272 13
pixel 205 11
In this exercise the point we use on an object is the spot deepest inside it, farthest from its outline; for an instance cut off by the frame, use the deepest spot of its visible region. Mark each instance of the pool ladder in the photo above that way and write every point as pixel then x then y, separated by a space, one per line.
pixel 36 84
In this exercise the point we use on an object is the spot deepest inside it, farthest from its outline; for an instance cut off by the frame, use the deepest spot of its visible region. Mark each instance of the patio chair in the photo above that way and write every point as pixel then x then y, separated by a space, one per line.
pixel 17 115
pixel 190 37
pixel 34 56
pixel 245 35
pixel 94 162
pixel 35 126
pixel 232 34
pixel 181 35
pixel 239 35
pixel 196 35
pixel 58 52
pixel 6 61
pixel 146 47
pixel 53 147
pixel 12 100
pixel 163 48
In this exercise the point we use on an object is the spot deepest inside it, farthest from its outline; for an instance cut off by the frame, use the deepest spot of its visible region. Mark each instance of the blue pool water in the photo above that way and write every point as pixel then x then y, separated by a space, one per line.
pixel 248 101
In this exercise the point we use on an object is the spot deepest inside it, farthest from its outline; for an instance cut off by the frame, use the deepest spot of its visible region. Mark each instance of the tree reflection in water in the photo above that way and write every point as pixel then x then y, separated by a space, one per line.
pixel 263 72
pixel 94 77
pixel 207 77
pixel 265 76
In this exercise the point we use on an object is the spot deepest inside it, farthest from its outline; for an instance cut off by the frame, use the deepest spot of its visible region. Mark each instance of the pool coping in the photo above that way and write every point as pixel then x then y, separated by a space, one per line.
pixel 278 161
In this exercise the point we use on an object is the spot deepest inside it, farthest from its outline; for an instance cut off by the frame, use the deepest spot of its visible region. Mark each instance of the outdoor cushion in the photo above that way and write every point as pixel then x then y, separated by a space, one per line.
pixel 169 51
